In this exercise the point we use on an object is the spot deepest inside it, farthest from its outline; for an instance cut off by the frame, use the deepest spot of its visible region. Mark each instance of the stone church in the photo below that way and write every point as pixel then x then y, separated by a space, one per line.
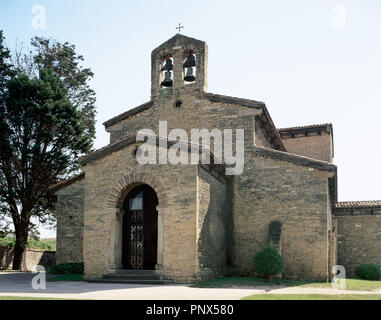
pixel 146 223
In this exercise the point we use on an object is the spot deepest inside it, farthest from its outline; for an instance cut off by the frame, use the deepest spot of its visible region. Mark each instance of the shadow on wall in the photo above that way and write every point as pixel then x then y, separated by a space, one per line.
pixel 31 259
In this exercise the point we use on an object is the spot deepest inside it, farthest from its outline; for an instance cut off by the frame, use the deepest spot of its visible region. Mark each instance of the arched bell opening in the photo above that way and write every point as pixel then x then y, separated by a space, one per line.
pixel 190 68
pixel 140 229
pixel 166 77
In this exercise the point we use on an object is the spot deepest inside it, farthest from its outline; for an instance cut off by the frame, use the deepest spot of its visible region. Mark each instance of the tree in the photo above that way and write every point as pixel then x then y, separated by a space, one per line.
pixel 66 64
pixel 5 74
pixel 41 136
pixel 47 119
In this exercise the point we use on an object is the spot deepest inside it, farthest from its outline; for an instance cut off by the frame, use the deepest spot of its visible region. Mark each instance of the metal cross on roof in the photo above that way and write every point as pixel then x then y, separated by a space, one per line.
pixel 179 27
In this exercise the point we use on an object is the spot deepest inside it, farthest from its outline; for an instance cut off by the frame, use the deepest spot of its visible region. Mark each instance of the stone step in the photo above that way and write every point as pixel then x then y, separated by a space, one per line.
pixel 129 281
pixel 127 276
pixel 134 272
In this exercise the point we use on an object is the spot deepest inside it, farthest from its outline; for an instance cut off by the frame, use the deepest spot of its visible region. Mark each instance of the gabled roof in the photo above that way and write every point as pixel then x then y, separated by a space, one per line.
pixel 264 118
pixel 234 100
pixel 132 139
pixel 324 126
pixel 294 158
pixel 178 38
pixel 358 204
pixel 67 182
pixel 287 133
pixel 128 114
pixel 107 149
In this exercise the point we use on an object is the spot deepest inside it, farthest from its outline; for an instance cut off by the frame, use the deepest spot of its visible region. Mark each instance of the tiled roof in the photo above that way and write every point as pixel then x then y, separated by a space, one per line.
pixel 67 182
pixel 128 113
pixel 107 149
pixel 295 158
pixel 131 139
pixel 234 100
pixel 358 204
pixel 312 126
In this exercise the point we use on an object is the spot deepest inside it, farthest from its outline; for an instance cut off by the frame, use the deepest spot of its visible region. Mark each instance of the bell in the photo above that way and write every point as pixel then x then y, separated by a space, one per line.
pixel 190 62
pixel 168 65
pixel 167 82
pixel 189 77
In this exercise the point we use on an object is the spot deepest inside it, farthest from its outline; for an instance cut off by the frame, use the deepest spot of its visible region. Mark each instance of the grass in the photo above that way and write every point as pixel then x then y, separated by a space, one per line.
pixel 313 297
pixel 67 277
pixel 351 284
pixel 47 244
pixel 228 282
pixel 28 298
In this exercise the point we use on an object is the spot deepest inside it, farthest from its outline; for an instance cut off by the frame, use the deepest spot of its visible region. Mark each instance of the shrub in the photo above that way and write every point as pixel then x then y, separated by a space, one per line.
pixel 368 271
pixel 268 262
pixel 67 268
pixel 46 244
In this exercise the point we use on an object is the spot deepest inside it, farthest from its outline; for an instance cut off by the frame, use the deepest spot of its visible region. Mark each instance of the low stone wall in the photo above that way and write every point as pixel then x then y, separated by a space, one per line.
pixel 359 237
pixel 32 258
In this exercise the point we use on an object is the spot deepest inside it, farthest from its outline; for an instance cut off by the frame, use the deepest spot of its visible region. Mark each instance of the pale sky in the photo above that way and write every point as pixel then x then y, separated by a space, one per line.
pixel 310 61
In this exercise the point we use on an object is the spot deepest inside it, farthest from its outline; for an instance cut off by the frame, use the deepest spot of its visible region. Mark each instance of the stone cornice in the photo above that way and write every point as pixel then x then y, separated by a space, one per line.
pixel 294 158
pixel 67 182
pixel 128 114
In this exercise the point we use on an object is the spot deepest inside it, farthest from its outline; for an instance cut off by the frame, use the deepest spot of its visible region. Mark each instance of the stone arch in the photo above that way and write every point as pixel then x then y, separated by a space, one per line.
pixel 124 184
pixel 115 200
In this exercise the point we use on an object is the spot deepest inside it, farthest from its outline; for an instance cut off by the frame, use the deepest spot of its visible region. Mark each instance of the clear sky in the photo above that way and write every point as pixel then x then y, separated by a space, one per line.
pixel 310 61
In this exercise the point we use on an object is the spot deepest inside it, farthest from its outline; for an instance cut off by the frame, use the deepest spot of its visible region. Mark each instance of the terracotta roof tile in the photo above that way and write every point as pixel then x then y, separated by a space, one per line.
pixel 357 204
pixel 312 126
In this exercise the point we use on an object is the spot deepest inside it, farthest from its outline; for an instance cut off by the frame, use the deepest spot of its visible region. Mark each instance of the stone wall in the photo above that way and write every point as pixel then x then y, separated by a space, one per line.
pixel 359 237
pixel 31 259
pixel 195 112
pixel 275 190
pixel 178 212
pixel 260 137
pixel 214 209
pixel 195 212
pixel 313 146
pixel 69 210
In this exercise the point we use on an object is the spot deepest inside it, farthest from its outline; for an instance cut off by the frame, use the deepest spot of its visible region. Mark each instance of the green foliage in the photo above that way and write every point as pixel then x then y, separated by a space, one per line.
pixel 68 268
pixel 368 271
pixel 67 277
pixel 47 120
pixel 268 262
pixel 48 244
pixel 5 66
pixel 65 63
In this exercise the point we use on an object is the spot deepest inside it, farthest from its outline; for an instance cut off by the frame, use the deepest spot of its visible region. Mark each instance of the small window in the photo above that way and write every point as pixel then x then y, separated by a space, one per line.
pixel 137 202
pixel 178 103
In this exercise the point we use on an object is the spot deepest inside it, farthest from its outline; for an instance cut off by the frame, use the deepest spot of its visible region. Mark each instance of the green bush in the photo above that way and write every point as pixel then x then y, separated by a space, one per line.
pixel 268 262
pixel 67 268
pixel 368 271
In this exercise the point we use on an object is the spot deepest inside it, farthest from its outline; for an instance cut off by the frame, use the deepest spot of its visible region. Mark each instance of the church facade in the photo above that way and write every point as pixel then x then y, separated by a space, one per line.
pixel 194 221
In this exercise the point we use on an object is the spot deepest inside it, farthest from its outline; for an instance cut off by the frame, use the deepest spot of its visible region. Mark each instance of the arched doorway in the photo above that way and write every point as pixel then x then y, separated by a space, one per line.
pixel 139 249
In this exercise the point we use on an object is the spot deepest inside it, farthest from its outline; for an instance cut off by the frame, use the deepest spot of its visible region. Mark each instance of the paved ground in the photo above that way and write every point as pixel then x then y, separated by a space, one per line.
pixel 19 284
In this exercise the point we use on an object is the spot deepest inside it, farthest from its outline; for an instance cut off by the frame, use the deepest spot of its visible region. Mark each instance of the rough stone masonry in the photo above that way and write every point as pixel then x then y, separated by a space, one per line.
pixel 208 224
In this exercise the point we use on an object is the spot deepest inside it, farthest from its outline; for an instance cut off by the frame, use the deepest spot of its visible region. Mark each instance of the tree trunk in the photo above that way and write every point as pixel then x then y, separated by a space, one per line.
pixel 20 246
